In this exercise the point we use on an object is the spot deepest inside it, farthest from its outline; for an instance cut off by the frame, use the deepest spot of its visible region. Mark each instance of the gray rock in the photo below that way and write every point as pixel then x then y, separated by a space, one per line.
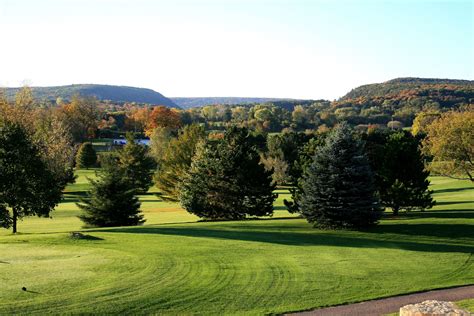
pixel 433 308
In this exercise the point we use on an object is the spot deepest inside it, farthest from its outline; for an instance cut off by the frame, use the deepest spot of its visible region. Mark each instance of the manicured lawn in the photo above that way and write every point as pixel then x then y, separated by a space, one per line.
pixel 175 265
pixel 467 304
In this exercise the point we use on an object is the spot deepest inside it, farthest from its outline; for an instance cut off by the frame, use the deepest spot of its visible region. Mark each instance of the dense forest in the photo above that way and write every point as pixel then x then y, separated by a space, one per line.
pixel 393 104
pixel 187 103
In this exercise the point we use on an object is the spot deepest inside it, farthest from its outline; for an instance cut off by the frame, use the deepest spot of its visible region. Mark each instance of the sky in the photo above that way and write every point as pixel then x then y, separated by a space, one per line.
pixel 307 49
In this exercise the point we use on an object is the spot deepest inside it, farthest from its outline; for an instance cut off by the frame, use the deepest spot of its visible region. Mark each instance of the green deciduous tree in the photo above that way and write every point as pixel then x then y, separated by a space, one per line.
pixel 86 156
pixel 285 147
pixel 27 186
pixel 401 176
pixel 111 202
pixel 338 188
pixel 227 180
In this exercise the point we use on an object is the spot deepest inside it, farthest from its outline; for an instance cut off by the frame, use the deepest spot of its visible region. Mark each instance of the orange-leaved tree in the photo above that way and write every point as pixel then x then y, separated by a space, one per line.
pixel 161 116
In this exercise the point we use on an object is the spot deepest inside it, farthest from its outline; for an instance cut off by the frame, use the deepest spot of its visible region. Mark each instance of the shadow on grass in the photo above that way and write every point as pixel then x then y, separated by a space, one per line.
pixel 370 239
pixel 73 196
pixel 454 213
pixel 428 230
pixel 453 190
pixel 453 202
pixel 32 292
pixel 449 214
pixel 81 236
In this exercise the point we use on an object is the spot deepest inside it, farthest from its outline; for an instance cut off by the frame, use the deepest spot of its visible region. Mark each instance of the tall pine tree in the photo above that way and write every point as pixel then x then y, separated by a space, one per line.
pixel 134 162
pixel 86 156
pixel 111 202
pixel 338 187
pixel 227 181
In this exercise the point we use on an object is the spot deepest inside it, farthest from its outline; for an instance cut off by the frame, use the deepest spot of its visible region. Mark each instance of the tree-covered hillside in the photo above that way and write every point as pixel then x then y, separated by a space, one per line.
pixel 402 85
pixel 117 94
pixel 187 103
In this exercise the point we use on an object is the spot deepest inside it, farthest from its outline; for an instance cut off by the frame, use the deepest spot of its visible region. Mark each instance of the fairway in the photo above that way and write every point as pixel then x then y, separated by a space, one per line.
pixel 176 265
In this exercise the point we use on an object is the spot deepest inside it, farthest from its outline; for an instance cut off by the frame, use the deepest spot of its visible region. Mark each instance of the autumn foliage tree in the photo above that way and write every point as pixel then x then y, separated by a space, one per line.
pixel 162 116
pixel 450 141
pixel 82 116
pixel 137 118
pixel 46 128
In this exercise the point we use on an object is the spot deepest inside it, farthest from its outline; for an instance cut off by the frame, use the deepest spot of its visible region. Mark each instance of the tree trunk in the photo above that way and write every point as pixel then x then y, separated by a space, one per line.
pixel 395 210
pixel 15 215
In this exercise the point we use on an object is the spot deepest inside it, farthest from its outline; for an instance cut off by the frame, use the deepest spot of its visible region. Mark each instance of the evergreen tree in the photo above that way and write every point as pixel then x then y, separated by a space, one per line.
pixel 27 186
pixel 111 202
pixel 305 158
pixel 227 180
pixel 337 188
pixel 86 156
pixel 136 164
pixel 402 179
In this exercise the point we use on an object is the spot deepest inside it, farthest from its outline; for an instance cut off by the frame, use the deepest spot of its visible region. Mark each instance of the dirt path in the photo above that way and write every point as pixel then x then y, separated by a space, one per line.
pixel 392 304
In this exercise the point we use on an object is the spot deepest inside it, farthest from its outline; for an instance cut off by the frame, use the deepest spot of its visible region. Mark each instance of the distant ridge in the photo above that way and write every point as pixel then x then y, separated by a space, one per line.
pixel 187 103
pixel 397 85
pixel 101 92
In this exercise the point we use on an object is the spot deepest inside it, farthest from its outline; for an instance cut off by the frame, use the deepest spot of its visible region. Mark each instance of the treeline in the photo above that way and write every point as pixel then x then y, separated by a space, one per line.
pixel 392 110
pixel 393 104
pixel 338 177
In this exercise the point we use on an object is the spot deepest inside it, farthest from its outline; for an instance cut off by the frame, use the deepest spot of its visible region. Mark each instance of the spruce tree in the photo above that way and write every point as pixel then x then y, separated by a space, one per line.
pixel 136 164
pixel 227 181
pixel 111 202
pixel 86 156
pixel 338 188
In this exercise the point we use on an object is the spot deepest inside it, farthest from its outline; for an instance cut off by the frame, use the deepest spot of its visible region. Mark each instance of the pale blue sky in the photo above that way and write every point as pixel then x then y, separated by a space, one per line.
pixel 267 48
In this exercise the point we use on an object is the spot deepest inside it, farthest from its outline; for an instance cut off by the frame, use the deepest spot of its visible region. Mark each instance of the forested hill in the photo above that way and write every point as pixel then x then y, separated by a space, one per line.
pixel 101 92
pixel 187 103
pixel 409 85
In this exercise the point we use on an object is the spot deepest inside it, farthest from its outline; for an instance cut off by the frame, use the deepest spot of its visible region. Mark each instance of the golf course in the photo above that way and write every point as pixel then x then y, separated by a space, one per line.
pixel 174 264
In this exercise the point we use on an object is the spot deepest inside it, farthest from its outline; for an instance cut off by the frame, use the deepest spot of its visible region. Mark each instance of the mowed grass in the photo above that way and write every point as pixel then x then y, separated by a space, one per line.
pixel 175 265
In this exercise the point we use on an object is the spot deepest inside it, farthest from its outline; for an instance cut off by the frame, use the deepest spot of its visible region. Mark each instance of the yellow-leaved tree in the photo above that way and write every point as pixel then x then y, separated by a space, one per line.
pixel 450 141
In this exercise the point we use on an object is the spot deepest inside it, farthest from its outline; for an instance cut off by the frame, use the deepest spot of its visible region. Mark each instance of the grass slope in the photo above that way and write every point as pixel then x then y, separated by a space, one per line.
pixel 174 265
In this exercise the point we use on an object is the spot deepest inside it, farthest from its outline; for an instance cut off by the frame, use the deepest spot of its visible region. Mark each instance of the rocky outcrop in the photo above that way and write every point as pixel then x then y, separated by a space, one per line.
pixel 433 308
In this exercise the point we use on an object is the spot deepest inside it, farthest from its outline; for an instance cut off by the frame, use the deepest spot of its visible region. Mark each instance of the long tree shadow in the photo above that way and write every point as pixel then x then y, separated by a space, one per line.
pixel 73 196
pixel 453 190
pixel 430 230
pixel 316 238
pixel 453 202
pixel 454 213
